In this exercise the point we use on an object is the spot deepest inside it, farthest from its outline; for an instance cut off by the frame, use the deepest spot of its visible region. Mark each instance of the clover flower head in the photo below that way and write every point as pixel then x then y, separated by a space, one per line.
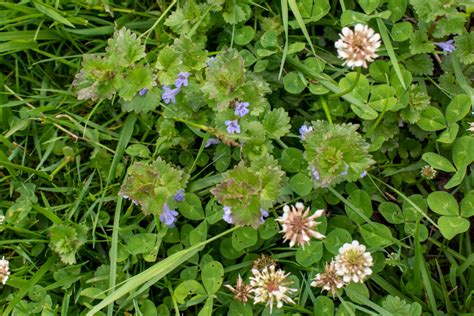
pixel 227 214
pixel 428 172
pixel 305 129
pixel 179 196
pixel 271 286
pixel 142 92
pixel 232 126
pixel 353 263
pixel 241 291
pixel 329 280
pixel 169 95
pixel 182 79
pixel 263 262
pixel 211 141
pixel 168 216
pixel 297 226
pixel 4 270
pixel 242 108
pixel 2 219
pixel 447 47
pixel 358 47
pixel 471 127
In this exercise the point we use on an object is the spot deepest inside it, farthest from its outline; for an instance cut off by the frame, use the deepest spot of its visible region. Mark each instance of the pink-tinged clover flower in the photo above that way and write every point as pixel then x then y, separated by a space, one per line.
pixel 358 47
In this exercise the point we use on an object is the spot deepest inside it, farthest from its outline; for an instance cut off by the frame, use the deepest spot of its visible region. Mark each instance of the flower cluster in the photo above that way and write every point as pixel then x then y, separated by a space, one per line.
pixel 297 226
pixel 168 216
pixel 352 264
pixel 241 109
pixel 169 95
pixel 358 47
pixel 427 172
pixel 4 270
pixel 271 286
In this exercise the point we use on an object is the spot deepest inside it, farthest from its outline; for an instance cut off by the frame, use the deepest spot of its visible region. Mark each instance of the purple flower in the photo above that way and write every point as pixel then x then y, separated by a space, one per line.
pixel 447 46
pixel 305 129
pixel 264 214
pixel 212 141
pixel 182 79
pixel 241 109
pixel 363 174
pixel 210 61
pixel 143 91
pixel 232 126
pixel 168 216
pixel 227 215
pixel 169 94
pixel 344 173
pixel 179 196
pixel 315 173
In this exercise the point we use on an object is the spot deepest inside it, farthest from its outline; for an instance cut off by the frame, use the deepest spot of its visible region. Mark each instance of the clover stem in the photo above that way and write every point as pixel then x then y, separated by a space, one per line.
pixel 281 143
pixel 326 111
pixel 354 84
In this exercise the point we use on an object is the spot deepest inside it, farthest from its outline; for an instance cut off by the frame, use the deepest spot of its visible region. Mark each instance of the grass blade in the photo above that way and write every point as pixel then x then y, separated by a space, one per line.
pixel 299 19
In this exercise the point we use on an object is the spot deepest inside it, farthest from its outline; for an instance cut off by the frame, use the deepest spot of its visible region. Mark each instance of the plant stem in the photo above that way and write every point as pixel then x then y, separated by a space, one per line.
pixel 326 111
pixel 354 84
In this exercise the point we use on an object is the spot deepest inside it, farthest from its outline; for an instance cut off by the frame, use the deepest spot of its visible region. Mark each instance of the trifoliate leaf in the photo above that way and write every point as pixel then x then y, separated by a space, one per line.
pixel 276 123
pixel 465 48
pixel 151 185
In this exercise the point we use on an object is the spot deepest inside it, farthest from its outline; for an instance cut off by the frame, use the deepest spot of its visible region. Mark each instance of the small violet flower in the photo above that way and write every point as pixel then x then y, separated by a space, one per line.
pixel 210 61
pixel 168 216
pixel 143 91
pixel 232 126
pixel 211 141
pixel 315 173
pixel 182 79
pixel 344 173
pixel 169 95
pixel 242 108
pixel 447 47
pixel 227 215
pixel 305 129
pixel 363 174
pixel 179 196
pixel 264 214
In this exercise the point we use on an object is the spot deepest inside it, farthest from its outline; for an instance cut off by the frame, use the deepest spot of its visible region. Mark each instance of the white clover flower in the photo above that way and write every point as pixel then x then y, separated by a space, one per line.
pixel 271 287
pixel 359 46
pixel 4 270
pixel 241 291
pixel 428 172
pixel 471 127
pixel 353 262
pixel 329 280
pixel 298 226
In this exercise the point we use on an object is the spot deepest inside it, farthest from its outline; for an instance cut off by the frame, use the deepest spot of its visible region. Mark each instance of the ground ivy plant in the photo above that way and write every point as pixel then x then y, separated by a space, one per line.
pixel 236 157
